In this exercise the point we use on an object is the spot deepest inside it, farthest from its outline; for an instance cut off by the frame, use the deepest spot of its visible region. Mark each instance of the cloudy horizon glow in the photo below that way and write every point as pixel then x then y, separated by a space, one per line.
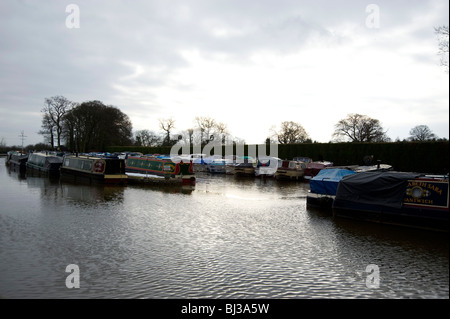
pixel 249 64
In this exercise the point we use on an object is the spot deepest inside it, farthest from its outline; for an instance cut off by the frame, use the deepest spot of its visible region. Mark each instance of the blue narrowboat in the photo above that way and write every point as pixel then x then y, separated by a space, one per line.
pixel 323 186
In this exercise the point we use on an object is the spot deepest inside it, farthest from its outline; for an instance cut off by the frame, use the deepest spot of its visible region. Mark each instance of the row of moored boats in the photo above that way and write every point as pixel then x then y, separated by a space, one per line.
pixel 369 192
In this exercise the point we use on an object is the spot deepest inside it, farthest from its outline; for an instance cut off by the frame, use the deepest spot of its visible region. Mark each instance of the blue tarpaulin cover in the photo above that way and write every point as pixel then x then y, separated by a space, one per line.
pixel 327 181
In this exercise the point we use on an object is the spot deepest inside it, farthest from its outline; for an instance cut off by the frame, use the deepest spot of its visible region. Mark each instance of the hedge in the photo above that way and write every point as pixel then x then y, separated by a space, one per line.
pixel 423 157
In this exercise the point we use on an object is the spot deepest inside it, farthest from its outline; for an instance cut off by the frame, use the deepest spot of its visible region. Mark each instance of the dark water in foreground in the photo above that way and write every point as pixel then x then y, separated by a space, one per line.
pixel 226 238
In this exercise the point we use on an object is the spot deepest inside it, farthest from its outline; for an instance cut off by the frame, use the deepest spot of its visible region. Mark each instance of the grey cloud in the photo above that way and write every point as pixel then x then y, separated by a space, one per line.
pixel 40 57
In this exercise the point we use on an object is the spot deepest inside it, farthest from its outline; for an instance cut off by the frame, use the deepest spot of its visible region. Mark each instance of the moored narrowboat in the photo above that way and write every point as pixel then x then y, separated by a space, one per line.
pixel 390 197
pixel 17 160
pixel 44 163
pixel 244 166
pixel 290 170
pixel 323 187
pixel 313 168
pixel 219 166
pixel 150 165
pixel 108 170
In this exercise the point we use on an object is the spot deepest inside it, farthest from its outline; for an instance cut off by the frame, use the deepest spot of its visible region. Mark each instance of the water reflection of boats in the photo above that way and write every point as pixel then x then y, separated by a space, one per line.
pixel 391 197
pixel 165 188
pixel 91 194
pixel 108 170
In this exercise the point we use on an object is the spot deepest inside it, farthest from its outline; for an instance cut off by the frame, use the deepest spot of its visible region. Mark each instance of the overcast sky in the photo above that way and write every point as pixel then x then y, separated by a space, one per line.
pixel 251 64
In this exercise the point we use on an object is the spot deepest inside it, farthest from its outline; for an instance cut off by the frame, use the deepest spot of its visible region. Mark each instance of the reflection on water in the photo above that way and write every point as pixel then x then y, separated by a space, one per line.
pixel 223 238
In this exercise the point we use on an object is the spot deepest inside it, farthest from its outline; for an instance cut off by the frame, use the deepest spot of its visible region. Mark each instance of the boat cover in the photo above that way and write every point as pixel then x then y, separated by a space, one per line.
pixel 327 180
pixel 385 188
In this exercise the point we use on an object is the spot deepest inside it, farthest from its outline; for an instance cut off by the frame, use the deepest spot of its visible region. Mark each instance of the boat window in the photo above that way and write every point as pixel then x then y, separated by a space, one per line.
pixel 86 165
pixel 78 164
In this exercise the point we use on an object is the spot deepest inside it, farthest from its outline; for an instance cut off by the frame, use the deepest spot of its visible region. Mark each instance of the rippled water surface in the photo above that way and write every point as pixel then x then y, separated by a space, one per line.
pixel 225 238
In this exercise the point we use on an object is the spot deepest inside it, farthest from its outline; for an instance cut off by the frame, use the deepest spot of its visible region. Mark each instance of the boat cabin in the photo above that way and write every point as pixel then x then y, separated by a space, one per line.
pixel 96 169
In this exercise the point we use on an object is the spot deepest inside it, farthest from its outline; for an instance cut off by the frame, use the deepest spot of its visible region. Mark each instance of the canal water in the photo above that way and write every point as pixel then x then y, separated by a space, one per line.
pixel 224 238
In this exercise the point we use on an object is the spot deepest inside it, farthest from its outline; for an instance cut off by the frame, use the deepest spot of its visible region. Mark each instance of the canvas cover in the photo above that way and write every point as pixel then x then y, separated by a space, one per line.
pixel 327 180
pixel 385 188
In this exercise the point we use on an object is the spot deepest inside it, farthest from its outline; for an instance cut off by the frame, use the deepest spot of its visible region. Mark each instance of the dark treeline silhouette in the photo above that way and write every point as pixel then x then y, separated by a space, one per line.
pixel 84 127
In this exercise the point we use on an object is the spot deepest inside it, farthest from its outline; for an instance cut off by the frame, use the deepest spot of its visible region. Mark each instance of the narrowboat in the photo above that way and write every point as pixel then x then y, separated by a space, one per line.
pixel 44 163
pixel 303 159
pixel 108 170
pixel 159 167
pixel 324 185
pixel 391 197
pixel 313 168
pixel 17 160
pixel 219 166
pixel 198 162
pixel 290 170
pixel 244 166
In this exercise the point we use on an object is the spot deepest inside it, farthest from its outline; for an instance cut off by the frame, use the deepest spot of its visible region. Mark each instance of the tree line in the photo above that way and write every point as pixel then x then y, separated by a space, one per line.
pixel 92 125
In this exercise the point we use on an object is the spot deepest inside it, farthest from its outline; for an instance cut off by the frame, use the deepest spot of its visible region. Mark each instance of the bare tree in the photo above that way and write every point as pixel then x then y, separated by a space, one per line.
pixel 190 134
pixel 421 133
pixel 442 36
pixel 147 138
pixel 206 126
pixel 222 130
pixel 291 132
pixel 48 130
pixel 359 128
pixel 54 110
pixel 167 125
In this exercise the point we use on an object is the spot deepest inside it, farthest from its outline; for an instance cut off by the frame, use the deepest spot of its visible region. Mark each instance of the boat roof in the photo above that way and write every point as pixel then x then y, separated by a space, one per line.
pixel 333 174
pixel 93 157
pixel 46 154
